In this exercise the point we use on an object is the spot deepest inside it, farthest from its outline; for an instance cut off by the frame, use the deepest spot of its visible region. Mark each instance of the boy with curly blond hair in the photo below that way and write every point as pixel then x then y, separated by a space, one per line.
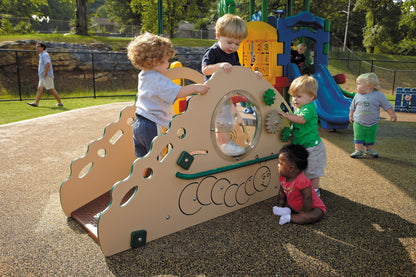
pixel 156 93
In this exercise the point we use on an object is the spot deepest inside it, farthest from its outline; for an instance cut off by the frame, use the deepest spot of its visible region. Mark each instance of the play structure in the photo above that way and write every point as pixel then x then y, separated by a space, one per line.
pixel 267 49
pixel 192 180
pixel 405 100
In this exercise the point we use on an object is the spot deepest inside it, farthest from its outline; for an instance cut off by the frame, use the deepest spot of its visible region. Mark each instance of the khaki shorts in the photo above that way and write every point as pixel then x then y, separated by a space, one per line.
pixel 46 82
pixel 316 161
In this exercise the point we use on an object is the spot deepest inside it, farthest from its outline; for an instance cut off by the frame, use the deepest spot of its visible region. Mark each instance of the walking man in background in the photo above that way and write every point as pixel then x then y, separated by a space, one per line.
pixel 45 72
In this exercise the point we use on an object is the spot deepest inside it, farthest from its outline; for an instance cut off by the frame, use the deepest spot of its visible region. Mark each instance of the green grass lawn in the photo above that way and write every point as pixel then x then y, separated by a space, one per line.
pixel 116 43
pixel 13 111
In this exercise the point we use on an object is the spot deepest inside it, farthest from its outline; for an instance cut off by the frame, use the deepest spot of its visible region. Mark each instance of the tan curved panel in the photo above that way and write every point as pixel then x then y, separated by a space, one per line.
pixel 164 203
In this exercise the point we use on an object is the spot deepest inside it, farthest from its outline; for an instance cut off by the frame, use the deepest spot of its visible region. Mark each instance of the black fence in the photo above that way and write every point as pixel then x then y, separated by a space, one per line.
pixel 99 74
pixel 392 74
pixel 77 74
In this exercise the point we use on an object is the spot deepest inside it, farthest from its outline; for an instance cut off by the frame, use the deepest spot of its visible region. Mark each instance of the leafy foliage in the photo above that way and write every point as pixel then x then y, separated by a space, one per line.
pixel 373 24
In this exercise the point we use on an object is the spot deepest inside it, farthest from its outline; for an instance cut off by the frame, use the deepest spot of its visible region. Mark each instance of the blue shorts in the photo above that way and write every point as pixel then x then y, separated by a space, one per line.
pixel 144 131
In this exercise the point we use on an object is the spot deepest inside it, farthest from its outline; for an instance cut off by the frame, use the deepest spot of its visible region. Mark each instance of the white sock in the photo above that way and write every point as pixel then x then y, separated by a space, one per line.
pixel 284 219
pixel 281 210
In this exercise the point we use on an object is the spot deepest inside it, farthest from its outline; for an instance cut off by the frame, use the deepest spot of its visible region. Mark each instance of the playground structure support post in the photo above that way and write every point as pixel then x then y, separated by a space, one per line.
pixel 251 8
pixel 160 17
pixel 289 7
pixel 264 10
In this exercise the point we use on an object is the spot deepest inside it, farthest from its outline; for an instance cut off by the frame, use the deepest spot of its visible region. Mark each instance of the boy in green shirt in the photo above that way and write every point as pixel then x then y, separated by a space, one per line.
pixel 305 126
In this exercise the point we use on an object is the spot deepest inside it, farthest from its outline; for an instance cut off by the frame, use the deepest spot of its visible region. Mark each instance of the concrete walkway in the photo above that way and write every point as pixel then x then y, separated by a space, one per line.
pixel 370 227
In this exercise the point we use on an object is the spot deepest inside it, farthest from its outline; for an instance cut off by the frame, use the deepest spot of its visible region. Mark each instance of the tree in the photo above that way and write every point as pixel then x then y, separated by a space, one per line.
pixel 381 23
pixel 407 27
pixel 121 11
pixel 59 10
pixel 81 23
pixel 81 16
pixel 408 19
pixel 21 8
pixel 174 12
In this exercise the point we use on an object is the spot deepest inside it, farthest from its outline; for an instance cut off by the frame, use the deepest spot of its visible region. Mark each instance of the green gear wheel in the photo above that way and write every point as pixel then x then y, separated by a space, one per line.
pixel 286 134
pixel 269 97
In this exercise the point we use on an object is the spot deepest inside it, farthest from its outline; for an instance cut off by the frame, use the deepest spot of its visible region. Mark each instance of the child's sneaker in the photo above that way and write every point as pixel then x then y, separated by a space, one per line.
pixel 357 154
pixel 232 149
pixel 370 152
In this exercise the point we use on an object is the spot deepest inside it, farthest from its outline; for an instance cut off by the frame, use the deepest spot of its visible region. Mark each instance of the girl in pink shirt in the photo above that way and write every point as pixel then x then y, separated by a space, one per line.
pixel 297 200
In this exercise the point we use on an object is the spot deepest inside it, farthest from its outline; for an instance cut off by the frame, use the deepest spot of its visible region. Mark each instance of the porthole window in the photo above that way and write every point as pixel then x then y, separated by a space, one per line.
pixel 235 124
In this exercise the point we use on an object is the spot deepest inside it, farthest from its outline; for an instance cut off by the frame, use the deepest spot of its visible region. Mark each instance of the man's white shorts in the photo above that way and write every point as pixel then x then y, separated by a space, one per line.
pixel 46 82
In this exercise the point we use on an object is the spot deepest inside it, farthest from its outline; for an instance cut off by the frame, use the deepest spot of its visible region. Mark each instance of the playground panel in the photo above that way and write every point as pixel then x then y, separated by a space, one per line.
pixel 405 100
pixel 192 180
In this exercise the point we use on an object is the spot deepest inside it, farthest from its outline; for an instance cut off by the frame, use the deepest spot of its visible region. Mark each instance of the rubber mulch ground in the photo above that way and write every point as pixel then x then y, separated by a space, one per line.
pixel 369 229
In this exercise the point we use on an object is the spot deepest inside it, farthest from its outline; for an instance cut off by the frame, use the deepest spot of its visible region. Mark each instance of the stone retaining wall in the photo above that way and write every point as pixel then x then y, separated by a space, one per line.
pixel 74 65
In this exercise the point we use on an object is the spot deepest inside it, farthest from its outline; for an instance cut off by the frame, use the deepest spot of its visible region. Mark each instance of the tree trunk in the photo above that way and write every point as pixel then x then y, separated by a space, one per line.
pixel 81 27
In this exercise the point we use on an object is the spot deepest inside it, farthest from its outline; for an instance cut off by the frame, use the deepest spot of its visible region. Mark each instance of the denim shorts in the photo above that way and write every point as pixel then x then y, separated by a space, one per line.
pixel 144 131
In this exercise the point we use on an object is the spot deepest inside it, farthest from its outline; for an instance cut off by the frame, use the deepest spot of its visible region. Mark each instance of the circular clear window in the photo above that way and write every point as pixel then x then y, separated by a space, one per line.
pixel 235 123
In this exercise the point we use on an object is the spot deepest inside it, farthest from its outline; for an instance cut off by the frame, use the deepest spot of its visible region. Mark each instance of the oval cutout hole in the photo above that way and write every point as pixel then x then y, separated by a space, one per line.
pixel 101 152
pixel 129 196
pixel 284 108
pixel 165 152
pixel 116 136
pixel 148 173
pixel 129 121
pixel 198 152
pixel 84 171
pixel 181 133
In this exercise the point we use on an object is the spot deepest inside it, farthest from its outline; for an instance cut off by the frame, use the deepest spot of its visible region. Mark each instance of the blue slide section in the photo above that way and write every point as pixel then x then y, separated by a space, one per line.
pixel 331 105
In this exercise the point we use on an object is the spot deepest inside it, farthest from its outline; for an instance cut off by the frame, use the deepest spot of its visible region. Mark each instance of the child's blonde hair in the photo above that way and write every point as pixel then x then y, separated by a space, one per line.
pixel 304 84
pixel 148 49
pixel 371 79
pixel 232 26
pixel 301 45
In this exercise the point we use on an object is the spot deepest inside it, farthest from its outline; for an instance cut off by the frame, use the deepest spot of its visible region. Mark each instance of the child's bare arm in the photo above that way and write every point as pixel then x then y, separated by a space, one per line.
pixel 351 116
pixel 212 68
pixel 281 198
pixel 307 198
pixel 293 117
pixel 190 89
pixel 392 114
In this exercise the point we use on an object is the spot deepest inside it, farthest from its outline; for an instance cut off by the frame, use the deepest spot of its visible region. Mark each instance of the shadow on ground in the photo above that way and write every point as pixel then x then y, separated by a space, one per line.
pixel 396 145
pixel 352 240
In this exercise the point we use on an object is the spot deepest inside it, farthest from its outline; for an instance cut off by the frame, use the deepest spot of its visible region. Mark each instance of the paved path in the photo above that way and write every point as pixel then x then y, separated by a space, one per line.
pixel 370 228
